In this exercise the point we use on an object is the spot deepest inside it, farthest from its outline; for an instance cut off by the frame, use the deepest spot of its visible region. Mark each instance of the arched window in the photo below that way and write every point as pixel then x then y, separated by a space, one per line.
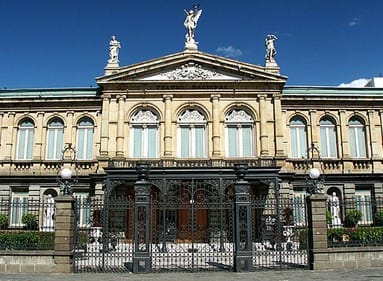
pixel 357 137
pixel 144 137
pixel 25 136
pixel 328 138
pixel 239 134
pixel 55 139
pixel 85 139
pixel 298 136
pixel 191 134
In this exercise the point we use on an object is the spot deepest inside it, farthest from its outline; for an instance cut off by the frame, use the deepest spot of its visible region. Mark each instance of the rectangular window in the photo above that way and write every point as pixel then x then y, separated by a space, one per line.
pixel 85 143
pixel 300 208
pixel 55 144
pixel 298 142
pixel 364 204
pixel 18 208
pixel 357 142
pixel 83 209
pixel 144 142
pixel 25 144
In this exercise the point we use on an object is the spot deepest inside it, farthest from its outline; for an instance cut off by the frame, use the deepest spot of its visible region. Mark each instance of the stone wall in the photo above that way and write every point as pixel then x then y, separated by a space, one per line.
pixel 352 258
pixel 27 262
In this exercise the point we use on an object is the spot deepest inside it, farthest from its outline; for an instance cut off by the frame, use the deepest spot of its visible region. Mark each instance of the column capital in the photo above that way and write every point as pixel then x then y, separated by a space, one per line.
pixel 215 97
pixel 106 97
pixel 121 98
pixel 167 97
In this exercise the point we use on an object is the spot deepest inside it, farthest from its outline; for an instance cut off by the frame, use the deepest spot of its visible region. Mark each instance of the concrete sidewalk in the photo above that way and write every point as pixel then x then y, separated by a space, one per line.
pixel 292 275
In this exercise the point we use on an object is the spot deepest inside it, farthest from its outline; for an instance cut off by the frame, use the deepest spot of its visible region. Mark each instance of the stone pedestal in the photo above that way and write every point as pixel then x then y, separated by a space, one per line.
pixel 317 229
pixel 64 227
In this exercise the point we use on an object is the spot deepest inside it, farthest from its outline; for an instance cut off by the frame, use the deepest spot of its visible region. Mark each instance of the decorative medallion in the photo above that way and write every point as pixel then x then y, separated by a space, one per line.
pixel 192 71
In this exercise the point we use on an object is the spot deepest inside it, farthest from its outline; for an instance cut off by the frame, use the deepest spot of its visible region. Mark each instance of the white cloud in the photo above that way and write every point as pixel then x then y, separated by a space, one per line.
pixel 361 82
pixel 229 52
pixel 353 22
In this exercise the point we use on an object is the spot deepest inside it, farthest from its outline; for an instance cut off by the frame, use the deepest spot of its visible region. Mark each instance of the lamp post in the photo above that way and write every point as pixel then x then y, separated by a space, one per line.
pixel 316 176
pixel 67 175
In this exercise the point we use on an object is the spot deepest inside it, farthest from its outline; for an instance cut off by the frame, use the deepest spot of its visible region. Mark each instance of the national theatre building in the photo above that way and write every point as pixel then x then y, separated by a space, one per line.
pixel 189 125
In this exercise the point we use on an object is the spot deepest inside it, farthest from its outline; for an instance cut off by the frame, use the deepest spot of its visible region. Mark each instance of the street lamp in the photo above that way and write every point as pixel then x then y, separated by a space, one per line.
pixel 316 175
pixel 67 176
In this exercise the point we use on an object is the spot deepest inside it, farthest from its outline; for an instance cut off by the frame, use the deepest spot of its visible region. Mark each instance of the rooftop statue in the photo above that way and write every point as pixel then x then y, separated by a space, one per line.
pixel 270 48
pixel 114 49
pixel 190 24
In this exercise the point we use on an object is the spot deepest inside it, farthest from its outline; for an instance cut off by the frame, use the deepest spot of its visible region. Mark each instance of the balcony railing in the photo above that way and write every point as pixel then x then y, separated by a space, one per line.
pixel 192 163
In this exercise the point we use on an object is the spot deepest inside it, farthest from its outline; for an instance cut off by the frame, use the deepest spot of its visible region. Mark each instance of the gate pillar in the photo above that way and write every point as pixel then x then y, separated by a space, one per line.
pixel 141 257
pixel 243 259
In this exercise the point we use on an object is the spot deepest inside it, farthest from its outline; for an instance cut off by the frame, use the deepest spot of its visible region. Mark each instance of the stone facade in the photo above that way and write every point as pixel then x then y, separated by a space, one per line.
pixel 187 108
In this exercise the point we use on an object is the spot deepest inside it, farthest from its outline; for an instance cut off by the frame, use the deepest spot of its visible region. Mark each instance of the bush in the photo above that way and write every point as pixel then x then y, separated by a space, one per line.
pixel 3 221
pixel 352 217
pixel 27 240
pixel 361 236
pixel 379 218
pixel 328 217
pixel 30 221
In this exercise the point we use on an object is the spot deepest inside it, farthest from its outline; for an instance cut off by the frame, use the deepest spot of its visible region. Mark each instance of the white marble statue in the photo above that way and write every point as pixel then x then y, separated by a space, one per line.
pixel 270 48
pixel 335 210
pixel 190 24
pixel 114 49
pixel 49 214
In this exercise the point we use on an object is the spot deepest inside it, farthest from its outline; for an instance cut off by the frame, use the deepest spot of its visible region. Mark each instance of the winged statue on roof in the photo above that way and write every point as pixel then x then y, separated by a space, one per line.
pixel 191 21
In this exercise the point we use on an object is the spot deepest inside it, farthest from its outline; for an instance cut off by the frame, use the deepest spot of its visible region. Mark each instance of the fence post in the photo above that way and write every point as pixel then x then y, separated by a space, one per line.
pixel 243 256
pixel 64 232
pixel 141 257
pixel 317 230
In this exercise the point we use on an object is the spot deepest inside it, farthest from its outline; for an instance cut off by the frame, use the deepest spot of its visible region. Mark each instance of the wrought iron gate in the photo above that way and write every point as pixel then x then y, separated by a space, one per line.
pixel 192 227
pixel 103 234
pixel 280 233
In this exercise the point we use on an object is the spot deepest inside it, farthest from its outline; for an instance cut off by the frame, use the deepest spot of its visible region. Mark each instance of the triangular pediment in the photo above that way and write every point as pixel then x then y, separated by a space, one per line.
pixel 190 66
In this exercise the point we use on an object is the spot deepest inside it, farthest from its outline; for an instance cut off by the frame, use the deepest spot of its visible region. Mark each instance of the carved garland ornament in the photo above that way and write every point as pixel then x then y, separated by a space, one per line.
pixel 144 116
pixel 238 116
pixel 191 71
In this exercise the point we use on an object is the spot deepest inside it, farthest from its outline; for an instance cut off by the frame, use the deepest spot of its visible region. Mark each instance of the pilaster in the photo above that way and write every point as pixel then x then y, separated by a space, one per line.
pixel 168 138
pixel 104 146
pixel 216 128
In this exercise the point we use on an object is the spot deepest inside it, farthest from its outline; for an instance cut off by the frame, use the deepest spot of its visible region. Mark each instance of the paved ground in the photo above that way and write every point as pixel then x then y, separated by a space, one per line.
pixel 293 275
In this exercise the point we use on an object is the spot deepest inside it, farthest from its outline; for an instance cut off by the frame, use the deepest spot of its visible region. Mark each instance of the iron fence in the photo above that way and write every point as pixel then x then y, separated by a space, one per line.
pixel 26 224
pixel 279 233
pixel 356 221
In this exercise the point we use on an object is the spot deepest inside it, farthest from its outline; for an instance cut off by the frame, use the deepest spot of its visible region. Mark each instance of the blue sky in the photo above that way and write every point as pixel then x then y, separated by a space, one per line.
pixel 59 43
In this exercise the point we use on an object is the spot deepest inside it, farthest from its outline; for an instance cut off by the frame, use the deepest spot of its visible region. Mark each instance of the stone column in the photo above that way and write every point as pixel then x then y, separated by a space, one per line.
pixel 64 228
pixel 263 116
pixel 313 132
pixel 317 230
pixel 104 146
pixel 243 252
pixel 141 257
pixel 278 125
pixel 38 147
pixel 8 136
pixel 120 126
pixel 68 135
pixel 1 132
pixel 216 127
pixel 168 138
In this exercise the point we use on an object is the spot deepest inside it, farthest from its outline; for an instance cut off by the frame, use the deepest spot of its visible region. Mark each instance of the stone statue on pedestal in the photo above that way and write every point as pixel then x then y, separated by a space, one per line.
pixel 270 48
pixel 190 24
pixel 49 214
pixel 335 210
pixel 114 49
